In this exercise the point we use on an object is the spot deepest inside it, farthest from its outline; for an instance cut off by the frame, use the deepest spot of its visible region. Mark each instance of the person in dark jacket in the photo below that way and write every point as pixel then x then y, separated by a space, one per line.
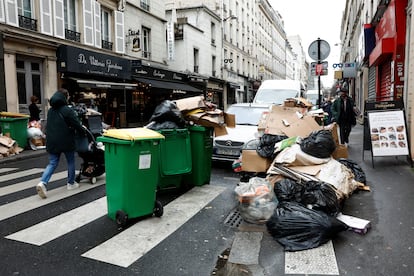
pixel 62 122
pixel 34 109
pixel 343 114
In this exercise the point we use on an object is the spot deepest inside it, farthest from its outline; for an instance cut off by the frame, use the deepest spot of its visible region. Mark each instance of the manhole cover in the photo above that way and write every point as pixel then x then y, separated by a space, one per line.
pixel 233 219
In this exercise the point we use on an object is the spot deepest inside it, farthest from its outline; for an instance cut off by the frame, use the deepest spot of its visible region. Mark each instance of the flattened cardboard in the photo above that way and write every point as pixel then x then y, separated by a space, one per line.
pixel 311 169
pixel 341 151
pixel 230 120
pixel 252 162
pixel 357 225
pixel 220 131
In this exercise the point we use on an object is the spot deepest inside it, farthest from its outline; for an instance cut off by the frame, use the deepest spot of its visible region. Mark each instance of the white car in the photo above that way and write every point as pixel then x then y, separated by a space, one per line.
pixel 228 147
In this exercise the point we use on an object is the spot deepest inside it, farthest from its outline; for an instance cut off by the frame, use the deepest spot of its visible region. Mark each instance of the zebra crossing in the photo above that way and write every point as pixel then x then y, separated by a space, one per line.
pixel 130 244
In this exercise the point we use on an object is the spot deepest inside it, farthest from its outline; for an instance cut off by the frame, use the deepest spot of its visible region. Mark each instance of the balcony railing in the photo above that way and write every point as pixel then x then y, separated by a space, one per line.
pixel 72 35
pixel 107 45
pixel 146 54
pixel 27 23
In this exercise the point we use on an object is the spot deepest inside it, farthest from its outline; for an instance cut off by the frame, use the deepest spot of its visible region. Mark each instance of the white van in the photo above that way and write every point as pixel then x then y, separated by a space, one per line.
pixel 312 96
pixel 277 91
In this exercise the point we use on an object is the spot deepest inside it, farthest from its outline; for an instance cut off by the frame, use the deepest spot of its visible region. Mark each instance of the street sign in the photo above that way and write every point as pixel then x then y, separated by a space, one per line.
pixel 319 69
pixel 319 49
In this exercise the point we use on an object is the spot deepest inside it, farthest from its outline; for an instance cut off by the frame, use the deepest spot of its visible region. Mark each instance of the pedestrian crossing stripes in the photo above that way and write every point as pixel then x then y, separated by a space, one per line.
pixel 141 237
pixel 134 242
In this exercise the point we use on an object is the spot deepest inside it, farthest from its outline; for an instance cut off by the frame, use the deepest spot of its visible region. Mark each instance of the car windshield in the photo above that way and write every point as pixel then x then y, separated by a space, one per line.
pixel 275 96
pixel 247 115
pixel 313 98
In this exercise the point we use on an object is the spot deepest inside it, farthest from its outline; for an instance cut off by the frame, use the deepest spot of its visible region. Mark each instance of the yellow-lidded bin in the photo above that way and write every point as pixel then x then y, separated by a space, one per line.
pixel 132 172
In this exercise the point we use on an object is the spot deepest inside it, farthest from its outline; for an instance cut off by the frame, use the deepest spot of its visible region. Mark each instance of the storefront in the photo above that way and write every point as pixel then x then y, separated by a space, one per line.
pixel 155 85
pixel 389 53
pixel 100 81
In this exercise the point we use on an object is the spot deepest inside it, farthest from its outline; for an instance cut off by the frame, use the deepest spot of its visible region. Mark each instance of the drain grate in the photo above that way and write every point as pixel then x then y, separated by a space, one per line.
pixel 234 219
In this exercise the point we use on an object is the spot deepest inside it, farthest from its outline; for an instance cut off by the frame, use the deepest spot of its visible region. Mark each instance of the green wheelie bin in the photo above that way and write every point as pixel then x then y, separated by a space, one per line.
pixel 15 128
pixel 175 157
pixel 132 173
pixel 201 152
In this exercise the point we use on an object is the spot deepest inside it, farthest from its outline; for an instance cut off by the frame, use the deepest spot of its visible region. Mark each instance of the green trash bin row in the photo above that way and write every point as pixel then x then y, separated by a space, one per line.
pixel 15 128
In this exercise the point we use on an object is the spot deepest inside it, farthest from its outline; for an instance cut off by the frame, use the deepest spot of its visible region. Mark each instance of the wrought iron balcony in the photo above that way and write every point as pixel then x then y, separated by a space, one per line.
pixel 107 45
pixel 72 35
pixel 27 23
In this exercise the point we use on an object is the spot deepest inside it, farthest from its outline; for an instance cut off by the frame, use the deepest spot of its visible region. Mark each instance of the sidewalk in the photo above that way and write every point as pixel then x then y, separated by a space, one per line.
pixel 25 154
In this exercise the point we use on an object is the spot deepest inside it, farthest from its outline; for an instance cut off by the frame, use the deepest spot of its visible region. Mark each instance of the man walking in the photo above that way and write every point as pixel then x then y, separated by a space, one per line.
pixel 343 114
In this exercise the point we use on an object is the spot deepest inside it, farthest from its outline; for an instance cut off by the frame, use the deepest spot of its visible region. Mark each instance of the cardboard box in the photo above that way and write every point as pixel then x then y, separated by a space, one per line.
pixel 190 103
pixel 341 151
pixel 252 162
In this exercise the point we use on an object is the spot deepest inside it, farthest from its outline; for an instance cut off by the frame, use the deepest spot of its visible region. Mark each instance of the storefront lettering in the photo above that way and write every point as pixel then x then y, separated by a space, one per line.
pixel 82 59
pixel 176 77
pixel 96 62
pixel 158 74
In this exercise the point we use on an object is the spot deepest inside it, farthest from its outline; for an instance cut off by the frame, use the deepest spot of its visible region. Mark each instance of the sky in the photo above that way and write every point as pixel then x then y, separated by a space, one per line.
pixel 313 19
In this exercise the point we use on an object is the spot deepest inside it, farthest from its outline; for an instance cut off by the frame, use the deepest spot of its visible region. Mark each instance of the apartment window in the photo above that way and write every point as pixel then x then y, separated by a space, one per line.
pixel 146 50
pixel 213 66
pixel 25 11
pixel 145 4
pixel 195 58
pixel 70 20
pixel 213 33
pixel 29 75
pixel 105 28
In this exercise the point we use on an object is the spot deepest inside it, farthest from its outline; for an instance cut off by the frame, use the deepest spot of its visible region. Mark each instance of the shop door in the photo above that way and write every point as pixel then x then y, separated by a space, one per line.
pixel 385 83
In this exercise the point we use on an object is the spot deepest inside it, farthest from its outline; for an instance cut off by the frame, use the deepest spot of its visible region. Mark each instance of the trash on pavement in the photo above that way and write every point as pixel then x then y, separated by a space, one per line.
pixel 357 225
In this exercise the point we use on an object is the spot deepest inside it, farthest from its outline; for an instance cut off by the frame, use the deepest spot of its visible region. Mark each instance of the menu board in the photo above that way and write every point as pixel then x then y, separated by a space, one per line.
pixel 388 133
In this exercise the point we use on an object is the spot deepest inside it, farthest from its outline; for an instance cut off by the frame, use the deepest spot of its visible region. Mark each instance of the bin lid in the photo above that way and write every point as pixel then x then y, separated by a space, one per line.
pixel 5 114
pixel 132 134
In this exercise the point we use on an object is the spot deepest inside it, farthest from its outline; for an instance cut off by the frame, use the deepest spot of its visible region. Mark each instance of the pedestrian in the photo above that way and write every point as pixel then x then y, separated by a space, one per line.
pixel 62 122
pixel 343 114
pixel 34 109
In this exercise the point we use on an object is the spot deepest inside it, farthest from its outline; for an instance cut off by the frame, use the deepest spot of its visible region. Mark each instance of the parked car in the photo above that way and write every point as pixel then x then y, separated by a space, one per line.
pixel 277 91
pixel 228 147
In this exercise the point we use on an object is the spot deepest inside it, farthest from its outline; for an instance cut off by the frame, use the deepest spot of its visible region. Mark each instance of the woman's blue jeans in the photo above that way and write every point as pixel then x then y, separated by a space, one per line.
pixel 54 162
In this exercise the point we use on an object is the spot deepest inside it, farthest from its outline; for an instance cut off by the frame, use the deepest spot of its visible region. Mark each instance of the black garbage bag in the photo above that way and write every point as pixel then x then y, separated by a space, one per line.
pixel 288 190
pixel 319 144
pixel 355 168
pixel 168 111
pixel 267 143
pixel 163 125
pixel 296 227
pixel 321 196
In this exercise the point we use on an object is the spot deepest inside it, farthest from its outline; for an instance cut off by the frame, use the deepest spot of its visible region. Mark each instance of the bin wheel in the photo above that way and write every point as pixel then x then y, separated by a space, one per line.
pixel 121 218
pixel 158 209
pixel 93 180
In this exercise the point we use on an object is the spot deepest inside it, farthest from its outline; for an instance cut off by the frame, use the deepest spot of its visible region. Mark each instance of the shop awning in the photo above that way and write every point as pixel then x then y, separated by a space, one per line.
pixel 87 83
pixel 169 85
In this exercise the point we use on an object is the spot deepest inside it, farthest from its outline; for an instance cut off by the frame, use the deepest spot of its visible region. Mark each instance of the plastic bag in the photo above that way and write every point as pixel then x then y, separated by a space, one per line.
pixel 288 190
pixel 298 228
pixel 321 196
pixel 294 156
pixel 257 200
pixel 319 144
pixel 355 168
pixel 168 111
pixel 267 143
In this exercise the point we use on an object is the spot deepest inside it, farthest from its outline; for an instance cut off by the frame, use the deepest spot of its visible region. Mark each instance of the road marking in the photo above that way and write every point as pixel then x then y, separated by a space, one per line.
pixel 20 174
pixel 29 184
pixel 138 239
pixel 2 170
pixel 320 260
pixel 53 228
pixel 26 204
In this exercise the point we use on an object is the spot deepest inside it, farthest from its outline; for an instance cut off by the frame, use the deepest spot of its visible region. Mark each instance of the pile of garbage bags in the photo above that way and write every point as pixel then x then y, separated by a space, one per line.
pixel 303 191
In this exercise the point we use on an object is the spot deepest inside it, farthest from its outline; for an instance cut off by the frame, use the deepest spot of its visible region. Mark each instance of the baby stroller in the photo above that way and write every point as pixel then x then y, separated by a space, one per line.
pixel 93 164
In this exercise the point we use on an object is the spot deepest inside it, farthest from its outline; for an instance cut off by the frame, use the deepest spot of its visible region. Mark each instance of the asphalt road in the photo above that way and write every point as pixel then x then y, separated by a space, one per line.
pixel 71 234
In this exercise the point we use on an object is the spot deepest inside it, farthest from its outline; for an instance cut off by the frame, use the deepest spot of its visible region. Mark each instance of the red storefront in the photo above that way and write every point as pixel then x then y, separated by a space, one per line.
pixel 388 54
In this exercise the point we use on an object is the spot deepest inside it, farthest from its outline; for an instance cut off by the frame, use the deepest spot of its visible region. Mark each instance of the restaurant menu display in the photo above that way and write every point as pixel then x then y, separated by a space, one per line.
pixel 388 133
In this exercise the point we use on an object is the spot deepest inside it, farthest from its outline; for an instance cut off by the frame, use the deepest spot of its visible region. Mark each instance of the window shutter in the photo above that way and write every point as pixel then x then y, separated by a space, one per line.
pixel 2 18
pixel 11 13
pixel 46 17
pixel 97 25
pixel 58 8
pixel 119 32
pixel 88 22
